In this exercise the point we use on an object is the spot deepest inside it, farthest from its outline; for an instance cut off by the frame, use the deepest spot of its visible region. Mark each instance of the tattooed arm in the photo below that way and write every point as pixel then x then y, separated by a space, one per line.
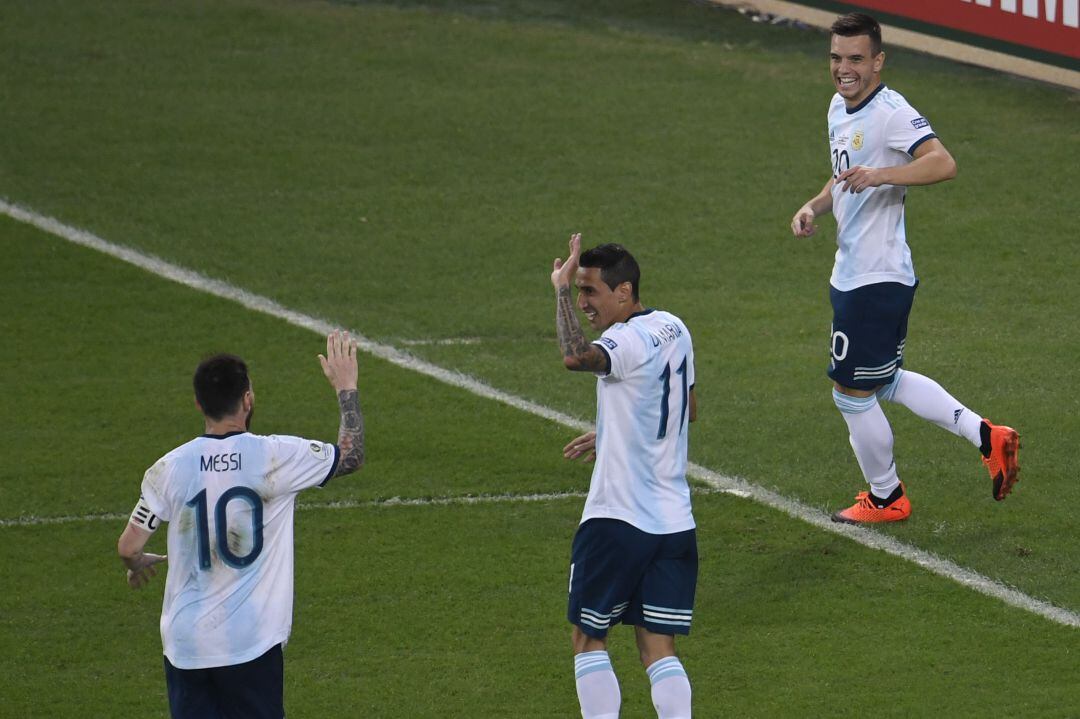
pixel 339 366
pixel 351 434
pixel 578 353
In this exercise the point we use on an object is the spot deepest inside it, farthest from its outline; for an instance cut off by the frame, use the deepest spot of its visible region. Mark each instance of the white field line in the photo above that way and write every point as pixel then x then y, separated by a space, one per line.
pixel 31 521
pixel 463 500
pixel 724 483
pixel 445 341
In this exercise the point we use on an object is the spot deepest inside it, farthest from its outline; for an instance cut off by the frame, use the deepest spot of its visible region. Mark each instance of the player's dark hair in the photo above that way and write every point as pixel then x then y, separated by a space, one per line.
pixel 220 382
pixel 616 265
pixel 857 23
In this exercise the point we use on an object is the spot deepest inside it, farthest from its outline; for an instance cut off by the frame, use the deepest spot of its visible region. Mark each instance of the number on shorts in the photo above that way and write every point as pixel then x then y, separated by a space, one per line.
pixel 838 338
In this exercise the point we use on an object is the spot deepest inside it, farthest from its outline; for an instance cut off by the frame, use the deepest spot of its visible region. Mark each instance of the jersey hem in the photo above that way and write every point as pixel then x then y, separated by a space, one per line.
pixel 648 528
pixel 873 279
pixel 230 660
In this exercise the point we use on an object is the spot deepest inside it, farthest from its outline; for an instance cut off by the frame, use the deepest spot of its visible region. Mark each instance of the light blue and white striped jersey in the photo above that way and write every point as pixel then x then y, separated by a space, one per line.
pixel 642 408
pixel 229 502
pixel 882 131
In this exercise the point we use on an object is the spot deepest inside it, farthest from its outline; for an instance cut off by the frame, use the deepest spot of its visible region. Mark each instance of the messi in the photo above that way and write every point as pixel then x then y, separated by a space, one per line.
pixel 220 462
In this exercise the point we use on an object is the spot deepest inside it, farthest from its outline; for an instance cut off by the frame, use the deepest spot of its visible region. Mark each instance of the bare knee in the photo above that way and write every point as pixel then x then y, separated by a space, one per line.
pixel 852 392
pixel 582 642
pixel 653 647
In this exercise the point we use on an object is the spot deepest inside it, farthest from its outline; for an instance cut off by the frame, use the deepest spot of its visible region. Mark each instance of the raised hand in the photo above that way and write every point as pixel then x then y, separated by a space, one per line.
pixel 562 273
pixel 339 364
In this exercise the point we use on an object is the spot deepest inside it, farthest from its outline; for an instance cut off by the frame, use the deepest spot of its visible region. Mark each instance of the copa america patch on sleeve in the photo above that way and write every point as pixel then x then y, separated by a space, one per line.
pixel 920 122
pixel 608 342
pixel 320 450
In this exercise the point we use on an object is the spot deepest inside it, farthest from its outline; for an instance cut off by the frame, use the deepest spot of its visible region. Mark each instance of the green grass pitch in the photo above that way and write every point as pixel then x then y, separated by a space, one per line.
pixel 409 170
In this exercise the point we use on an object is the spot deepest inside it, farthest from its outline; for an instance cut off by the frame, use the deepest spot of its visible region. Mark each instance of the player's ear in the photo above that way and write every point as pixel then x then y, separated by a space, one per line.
pixel 879 61
pixel 625 291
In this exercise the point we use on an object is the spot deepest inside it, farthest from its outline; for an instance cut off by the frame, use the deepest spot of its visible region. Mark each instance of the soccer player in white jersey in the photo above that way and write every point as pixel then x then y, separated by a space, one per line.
pixel 228 497
pixel 879 146
pixel 634 557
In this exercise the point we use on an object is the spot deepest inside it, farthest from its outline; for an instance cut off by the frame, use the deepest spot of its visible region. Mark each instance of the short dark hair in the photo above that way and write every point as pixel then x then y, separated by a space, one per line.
pixel 220 382
pixel 857 23
pixel 616 265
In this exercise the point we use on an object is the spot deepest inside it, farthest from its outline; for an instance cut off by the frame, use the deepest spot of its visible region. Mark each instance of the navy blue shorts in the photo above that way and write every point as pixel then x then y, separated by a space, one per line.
pixel 253 689
pixel 869 329
pixel 619 573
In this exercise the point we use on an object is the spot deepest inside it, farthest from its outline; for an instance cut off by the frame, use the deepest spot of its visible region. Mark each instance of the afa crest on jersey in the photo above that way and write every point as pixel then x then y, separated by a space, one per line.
pixel 856 141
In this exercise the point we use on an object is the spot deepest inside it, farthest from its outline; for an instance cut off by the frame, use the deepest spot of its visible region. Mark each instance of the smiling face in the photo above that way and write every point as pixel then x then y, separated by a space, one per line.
pixel 856 71
pixel 602 305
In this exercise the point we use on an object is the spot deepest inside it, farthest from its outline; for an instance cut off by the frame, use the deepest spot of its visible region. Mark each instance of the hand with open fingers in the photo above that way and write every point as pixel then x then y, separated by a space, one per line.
pixel 858 178
pixel 562 273
pixel 585 444
pixel 339 364
pixel 143 570
pixel 802 224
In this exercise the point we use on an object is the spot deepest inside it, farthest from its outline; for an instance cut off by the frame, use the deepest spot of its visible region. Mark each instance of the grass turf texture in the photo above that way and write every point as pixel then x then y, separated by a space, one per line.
pixel 412 171
pixel 465 618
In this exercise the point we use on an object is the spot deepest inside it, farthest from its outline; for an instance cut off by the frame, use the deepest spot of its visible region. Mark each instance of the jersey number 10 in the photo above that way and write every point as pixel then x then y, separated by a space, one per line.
pixel 665 377
pixel 221 521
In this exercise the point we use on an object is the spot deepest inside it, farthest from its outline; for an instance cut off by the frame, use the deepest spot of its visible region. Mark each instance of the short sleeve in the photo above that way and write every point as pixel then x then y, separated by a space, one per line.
pixel 625 351
pixel 154 489
pixel 300 463
pixel 906 129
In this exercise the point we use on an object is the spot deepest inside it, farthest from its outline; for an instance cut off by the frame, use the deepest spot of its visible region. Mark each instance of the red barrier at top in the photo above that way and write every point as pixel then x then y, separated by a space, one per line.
pixel 1050 25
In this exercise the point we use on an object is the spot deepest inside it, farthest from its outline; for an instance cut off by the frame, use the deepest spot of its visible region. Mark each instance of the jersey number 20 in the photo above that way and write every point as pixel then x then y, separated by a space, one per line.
pixel 221 520
pixel 665 377
pixel 841 161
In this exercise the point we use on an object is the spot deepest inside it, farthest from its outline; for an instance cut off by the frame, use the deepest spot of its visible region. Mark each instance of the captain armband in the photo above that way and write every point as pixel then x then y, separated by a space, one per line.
pixel 143 518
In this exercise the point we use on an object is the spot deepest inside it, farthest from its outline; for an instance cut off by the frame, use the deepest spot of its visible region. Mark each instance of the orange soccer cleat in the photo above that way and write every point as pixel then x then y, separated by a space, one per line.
pixel 1004 448
pixel 864 510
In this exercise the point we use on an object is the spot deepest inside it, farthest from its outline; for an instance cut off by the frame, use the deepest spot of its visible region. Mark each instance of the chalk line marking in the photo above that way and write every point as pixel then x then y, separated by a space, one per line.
pixel 445 341
pixel 467 499
pixel 463 500
pixel 734 485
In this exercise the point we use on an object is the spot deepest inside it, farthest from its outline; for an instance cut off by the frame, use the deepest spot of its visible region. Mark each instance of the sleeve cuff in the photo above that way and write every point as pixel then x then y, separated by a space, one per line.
pixel 607 357
pixel 921 140
pixel 333 465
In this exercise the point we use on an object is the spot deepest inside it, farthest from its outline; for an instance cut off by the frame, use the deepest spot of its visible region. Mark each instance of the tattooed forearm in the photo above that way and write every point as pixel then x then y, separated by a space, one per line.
pixel 578 352
pixel 571 338
pixel 351 434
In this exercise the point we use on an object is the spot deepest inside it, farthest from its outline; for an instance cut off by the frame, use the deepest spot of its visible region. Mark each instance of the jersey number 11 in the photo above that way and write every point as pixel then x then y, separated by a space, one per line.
pixel 665 377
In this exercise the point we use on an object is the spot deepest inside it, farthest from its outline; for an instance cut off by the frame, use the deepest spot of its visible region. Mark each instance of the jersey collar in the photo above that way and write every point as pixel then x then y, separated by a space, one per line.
pixel 646 311
pixel 226 435
pixel 864 103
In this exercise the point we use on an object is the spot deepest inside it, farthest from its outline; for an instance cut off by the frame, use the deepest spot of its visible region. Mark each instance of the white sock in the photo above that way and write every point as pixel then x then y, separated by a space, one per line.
pixel 670 688
pixel 872 439
pixel 929 400
pixel 597 688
